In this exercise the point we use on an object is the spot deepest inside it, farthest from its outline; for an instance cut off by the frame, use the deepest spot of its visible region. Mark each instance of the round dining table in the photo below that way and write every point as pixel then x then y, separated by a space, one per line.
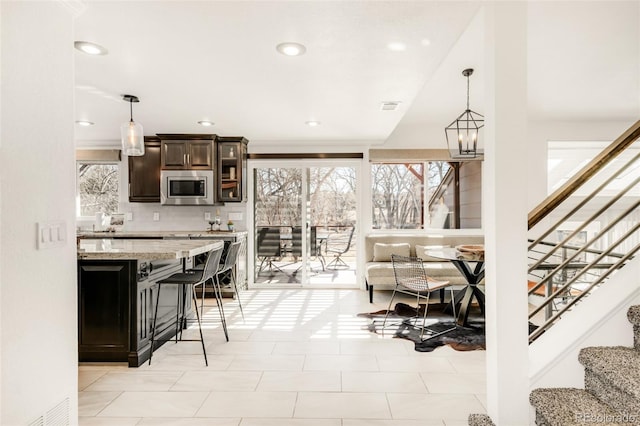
pixel 471 266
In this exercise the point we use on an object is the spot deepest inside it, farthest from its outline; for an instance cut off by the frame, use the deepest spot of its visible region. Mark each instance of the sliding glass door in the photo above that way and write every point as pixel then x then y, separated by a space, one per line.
pixel 305 224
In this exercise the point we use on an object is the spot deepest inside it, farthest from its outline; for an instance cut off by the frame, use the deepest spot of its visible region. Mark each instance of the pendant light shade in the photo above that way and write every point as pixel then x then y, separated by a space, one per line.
pixel 131 132
pixel 463 134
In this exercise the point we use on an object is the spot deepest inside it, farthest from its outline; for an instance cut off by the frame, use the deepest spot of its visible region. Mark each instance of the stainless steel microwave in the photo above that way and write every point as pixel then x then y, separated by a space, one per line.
pixel 186 187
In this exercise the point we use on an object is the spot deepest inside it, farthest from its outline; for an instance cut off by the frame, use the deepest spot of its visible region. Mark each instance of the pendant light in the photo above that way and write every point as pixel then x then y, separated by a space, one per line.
pixel 465 129
pixel 131 132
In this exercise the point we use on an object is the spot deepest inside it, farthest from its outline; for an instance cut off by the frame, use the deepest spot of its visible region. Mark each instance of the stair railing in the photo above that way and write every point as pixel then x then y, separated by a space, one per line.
pixel 570 268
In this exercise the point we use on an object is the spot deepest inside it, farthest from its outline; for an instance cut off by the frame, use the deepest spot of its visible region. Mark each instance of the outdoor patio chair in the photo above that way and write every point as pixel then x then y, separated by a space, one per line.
pixel 268 247
pixel 337 245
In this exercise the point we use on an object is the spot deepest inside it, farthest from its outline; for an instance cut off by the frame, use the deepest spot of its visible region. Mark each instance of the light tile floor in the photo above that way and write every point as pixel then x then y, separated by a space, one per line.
pixel 300 358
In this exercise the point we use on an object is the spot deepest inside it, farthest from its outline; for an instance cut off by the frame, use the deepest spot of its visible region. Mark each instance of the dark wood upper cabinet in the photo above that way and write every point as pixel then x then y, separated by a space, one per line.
pixel 200 155
pixel 144 173
pixel 183 151
pixel 174 155
pixel 226 155
pixel 232 169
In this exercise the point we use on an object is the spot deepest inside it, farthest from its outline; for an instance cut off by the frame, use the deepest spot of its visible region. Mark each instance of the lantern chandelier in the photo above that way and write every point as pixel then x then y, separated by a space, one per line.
pixel 465 129
pixel 131 132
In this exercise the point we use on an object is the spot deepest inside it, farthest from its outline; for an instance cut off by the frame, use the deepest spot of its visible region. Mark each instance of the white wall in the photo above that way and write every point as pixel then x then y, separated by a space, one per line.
pixel 38 304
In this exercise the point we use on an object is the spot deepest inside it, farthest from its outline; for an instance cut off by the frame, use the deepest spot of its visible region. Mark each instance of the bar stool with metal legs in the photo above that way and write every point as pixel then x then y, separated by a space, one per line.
pixel 187 281
pixel 227 269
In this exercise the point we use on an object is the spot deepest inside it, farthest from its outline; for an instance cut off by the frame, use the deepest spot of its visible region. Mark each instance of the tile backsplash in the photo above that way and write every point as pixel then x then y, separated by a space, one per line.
pixel 176 218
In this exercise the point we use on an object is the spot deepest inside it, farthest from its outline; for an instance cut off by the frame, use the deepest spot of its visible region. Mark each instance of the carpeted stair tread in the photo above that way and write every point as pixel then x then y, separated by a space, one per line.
pixel 618 365
pixel 633 314
pixel 571 407
pixel 480 420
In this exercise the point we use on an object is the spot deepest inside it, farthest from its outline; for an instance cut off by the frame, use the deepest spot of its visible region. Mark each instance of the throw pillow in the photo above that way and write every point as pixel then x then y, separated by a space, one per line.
pixel 382 252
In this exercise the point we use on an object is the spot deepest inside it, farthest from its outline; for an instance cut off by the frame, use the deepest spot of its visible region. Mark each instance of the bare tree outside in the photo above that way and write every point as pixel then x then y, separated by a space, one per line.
pixel 397 195
pixel 436 173
pixel 98 188
pixel 399 192
pixel 333 196
pixel 278 196
pixel 331 191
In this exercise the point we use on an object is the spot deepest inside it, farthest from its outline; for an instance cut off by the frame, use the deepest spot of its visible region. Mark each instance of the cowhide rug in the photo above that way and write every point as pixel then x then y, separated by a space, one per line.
pixel 469 338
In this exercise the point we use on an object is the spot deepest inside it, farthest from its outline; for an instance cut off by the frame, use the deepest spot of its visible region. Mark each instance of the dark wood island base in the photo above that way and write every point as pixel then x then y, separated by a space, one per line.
pixel 116 302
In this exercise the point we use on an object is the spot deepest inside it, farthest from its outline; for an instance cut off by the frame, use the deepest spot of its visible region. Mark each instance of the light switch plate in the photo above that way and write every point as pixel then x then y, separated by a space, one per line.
pixel 129 216
pixel 156 216
pixel 51 234
pixel 207 216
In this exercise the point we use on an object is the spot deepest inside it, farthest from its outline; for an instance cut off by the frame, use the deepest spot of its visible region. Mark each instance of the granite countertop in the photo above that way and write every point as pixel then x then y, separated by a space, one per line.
pixel 110 249
pixel 159 234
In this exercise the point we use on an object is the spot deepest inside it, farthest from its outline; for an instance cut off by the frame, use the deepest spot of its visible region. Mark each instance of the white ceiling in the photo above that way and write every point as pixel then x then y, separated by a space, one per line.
pixel 216 60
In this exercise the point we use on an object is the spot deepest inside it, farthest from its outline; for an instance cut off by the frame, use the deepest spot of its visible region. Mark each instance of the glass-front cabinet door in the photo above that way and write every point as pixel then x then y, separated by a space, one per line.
pixel 232 160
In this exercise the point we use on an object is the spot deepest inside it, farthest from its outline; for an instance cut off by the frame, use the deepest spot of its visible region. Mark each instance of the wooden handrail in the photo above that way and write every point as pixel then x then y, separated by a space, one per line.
pixel 594 166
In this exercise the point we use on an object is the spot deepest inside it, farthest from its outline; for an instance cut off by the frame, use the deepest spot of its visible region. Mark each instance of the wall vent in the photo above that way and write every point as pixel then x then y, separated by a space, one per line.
pixel 37 422
pixel 389 106
pixel 57 416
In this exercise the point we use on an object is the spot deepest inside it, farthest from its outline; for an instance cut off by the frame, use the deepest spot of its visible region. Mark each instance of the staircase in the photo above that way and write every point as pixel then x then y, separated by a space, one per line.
pixel 580 236
pixel 612 388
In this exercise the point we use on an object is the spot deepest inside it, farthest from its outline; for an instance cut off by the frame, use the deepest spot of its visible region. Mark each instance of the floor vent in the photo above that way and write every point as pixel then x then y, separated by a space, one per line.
pixel 37 422
pixel 57 416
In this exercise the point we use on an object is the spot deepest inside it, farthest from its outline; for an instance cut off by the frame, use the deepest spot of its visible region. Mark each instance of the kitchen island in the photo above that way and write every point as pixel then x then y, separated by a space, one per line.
pixel 117 292
pixel 226 236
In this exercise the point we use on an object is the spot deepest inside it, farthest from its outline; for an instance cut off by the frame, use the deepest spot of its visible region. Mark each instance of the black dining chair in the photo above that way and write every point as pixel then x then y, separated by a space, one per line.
pixel 412 279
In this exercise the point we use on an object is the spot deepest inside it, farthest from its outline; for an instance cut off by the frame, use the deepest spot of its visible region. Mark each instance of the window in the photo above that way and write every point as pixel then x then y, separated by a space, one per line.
pixel 97 188
pixel 398 195
pixel 429 194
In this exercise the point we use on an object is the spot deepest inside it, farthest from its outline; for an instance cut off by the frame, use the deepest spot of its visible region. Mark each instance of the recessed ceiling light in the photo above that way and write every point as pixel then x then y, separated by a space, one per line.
pixel 397 46
pixel 312 123
pixel 291 49
pixel 90 48
pixel 206 123
pixel 84 123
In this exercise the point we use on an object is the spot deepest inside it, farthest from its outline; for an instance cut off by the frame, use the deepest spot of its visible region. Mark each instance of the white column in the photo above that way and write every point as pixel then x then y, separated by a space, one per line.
pixel 505 211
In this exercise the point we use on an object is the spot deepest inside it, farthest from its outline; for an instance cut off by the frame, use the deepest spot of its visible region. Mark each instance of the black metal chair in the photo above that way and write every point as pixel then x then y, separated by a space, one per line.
pixel 227 269
pixel 338 244
pixel 412 279
pixel 187 281
pixel 268 247
pixel 296 242
pixel 316 246
pixel 296 245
